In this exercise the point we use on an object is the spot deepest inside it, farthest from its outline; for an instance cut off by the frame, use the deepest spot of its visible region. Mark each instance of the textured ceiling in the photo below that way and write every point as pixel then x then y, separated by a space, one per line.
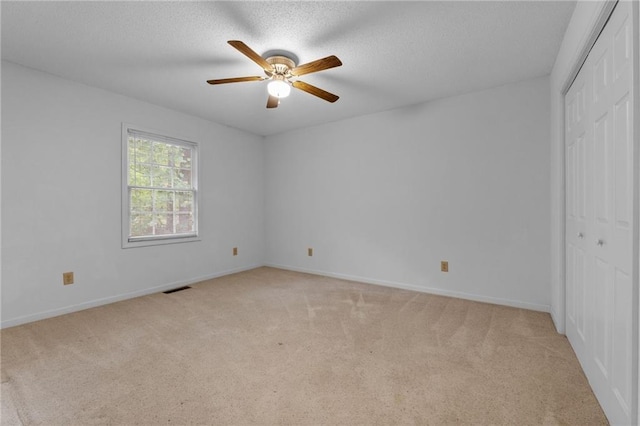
pixel 394 53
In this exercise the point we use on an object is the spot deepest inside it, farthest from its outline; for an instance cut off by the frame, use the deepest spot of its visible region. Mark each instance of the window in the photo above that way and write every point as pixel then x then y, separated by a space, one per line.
pixel 160 196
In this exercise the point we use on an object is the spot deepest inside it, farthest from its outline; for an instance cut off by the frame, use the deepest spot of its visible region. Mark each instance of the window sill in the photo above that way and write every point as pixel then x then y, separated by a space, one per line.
pixel 159 242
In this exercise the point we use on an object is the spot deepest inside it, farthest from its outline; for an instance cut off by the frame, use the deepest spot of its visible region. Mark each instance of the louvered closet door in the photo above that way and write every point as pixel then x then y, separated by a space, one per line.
pixel 600 200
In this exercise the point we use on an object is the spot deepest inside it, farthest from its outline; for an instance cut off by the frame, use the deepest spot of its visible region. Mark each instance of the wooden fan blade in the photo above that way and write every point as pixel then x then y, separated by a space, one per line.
pixel 249 53
pixel 318 65
pixel 234 80
pixel 272 102
pixel 329 97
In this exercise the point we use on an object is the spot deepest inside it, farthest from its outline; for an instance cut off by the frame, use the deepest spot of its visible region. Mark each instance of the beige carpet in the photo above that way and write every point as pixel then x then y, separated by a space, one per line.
pixel 276 347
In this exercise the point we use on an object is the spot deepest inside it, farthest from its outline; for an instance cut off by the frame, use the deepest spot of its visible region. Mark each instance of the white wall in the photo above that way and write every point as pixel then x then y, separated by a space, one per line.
pixel 61 183
pixel 384 197
pixel 579 33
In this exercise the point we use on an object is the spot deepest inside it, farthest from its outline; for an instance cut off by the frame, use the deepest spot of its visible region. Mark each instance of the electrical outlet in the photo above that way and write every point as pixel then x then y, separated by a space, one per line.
pixel 235 251
pixel 444 266
pixel 67 278
pixel 309 251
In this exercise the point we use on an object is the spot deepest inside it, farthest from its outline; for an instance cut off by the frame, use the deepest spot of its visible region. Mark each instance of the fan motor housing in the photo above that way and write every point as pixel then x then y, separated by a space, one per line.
pixel 281 64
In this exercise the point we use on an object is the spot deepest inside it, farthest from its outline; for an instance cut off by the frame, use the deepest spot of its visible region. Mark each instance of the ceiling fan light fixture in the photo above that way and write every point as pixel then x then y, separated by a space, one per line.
pixel 278 88
pixel 280 66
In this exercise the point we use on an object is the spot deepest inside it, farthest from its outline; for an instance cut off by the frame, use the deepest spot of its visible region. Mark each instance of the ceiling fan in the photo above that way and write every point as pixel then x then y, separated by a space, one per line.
pixel 280 69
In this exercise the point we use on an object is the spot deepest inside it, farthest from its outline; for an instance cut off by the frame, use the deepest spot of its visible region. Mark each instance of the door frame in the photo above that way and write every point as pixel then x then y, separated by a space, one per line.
pixel 592 31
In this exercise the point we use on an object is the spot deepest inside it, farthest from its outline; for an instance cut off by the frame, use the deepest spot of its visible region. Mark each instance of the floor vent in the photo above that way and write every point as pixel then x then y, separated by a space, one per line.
pixel 176 289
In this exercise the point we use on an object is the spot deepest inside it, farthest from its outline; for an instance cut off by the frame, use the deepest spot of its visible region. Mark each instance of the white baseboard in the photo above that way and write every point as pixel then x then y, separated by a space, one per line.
pixel 557 322
pixel 429 290
pixel 111 299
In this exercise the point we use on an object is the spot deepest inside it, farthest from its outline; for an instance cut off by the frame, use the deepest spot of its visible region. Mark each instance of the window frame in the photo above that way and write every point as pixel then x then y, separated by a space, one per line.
pixel 127 242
